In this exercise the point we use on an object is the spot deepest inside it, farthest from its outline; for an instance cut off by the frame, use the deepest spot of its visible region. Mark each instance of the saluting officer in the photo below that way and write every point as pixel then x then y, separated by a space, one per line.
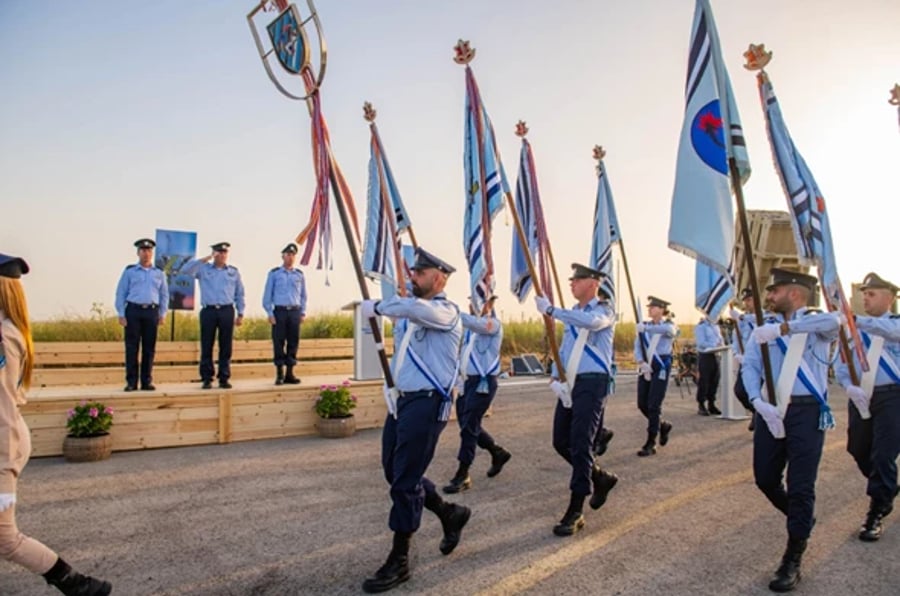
pixel 744 323
pixel 586 352
pixel 284 300
pixel 873 438
pixel 427 333
pixel 142 300
pixel 793 433
pixel 481 359
pixel 221 292
pixel 657 336
pixel 708 337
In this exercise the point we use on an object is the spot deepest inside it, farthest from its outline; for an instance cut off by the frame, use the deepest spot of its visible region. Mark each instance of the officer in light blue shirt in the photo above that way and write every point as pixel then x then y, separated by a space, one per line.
pixel 481 362
pixel 284 300
pixel 653 341
pixel 142 300
pixel 427 334
pixel 744 324
pixel 587 327
pixel 793 441
pixel 873 437
pixel 221 293
pixel 708 337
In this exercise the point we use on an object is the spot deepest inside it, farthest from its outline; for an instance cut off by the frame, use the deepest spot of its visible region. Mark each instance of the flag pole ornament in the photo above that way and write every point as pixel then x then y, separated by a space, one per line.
pixel 291 45
pixel 478 150
pixel 895 99
pixel 806 204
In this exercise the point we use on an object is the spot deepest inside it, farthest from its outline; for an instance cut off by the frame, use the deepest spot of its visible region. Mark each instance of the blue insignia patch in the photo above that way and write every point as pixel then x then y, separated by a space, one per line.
pixel 708 136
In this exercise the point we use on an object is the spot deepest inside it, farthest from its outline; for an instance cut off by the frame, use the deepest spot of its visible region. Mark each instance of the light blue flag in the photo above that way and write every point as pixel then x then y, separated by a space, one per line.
pixel 486 186
pixel 714 290
pixel 812 231
pixel 528 212
pixel 702 218
pixel 606 231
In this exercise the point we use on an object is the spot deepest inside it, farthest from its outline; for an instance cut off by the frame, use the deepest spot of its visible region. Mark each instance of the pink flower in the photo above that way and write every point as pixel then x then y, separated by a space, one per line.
pixel 346 383
pixel 71 414
pixel 332 387
pixel 108 410
pixel 323 387
pixel 94 412
pixel 83 402
pixel 353 397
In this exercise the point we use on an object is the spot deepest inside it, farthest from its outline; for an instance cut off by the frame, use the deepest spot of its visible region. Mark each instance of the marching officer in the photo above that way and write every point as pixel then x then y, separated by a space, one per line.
pixel 427 333
pixel 873 437
pixel 586 352
pixel 481 357
pixel 142 300
pixel 708 337
pixel 744 323
pixel 284 300
pixel 654 362
pixel 222 293
pixel 793 434
pixel 604 435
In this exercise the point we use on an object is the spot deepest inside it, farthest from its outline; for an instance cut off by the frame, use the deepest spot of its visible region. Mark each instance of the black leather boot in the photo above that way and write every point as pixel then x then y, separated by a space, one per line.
pixel 649 447
pixel 603 483
pixel 395 570
pixel 461 480
pixel 453 519
pixel 872 528
pixel 572 519
pixel 279 375
pixel 289 377
pixel 788 574
pixel 601 441
pixel 72 583
pixel 665 427
pixel 712 409
pixel 499 458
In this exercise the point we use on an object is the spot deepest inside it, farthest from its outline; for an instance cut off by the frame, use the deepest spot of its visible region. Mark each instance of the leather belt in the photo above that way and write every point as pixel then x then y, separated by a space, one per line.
pixel 886 388
pixel 142 305
pixel 291 307
pixel 218 306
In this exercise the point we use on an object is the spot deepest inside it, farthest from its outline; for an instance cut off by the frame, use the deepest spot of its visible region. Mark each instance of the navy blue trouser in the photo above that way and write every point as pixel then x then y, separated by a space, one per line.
pixel 651 394
pixel 574 428
pixel 800 451
pixel 875 443
pixel 286 336
pixel 740 391
pixel 708 385
pixel 470 410
pixel 407 447
pixel 141 325
pixel 212 320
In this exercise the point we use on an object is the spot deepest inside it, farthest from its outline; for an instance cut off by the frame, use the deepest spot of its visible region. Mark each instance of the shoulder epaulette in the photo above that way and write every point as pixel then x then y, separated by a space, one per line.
pixel 812 311
pixel 132 266
pixel 274 269
pixel 895 316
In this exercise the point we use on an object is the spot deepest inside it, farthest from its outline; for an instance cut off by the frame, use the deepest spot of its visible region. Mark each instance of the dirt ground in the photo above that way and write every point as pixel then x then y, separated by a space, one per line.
pixel 309 515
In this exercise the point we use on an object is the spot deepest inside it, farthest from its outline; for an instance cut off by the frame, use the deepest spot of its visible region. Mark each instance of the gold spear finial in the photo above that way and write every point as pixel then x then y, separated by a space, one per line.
pixel 757 57
pixel 599 152
pixel 521 128
pixel 895 96
pixel 463 53
pixel 369 112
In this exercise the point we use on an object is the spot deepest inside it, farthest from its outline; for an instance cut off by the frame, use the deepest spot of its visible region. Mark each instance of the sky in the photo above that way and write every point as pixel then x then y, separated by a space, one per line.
pixel 120 119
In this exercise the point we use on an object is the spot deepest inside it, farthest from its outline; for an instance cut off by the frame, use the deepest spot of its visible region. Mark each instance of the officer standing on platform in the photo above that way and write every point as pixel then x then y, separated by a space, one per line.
pixel 657 336
pixel 794 431
pixel 142 300
pixel 221 292
pixel 743 327
pixel 708 337
pixel 427 333
pixel 873 437
pixel 284 300
pixel 586 352
pixel 481 359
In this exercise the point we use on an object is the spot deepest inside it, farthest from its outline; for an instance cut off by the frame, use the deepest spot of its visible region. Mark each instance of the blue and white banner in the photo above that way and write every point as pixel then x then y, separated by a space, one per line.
pixel 606 232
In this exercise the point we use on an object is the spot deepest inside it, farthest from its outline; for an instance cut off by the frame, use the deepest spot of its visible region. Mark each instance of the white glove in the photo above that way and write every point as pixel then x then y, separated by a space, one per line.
pixel 367 309
pixel 770 416
pixel 739 359
pixel 543 305
pixel 645 369
pixel 391 395
pixel 766 333
pixel 639 328
pixel 7 500
pixel 840 317
pixel 561 391
pixel 860 400
pixel 734 314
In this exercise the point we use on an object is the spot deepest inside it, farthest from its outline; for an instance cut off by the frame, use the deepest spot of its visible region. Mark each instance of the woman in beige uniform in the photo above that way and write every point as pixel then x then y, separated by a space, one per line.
pixel 16 364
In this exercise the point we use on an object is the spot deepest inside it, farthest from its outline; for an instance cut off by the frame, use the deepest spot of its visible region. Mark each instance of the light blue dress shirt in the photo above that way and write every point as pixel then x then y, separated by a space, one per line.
pixel 142 285
pixel 217 285
pixel 488 332
pixel 668 331
pixel 707 336
pixel 284 287
pixel 886 326
pixel 600 320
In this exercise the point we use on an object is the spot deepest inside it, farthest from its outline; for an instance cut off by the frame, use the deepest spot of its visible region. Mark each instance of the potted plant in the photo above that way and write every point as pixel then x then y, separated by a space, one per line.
pixel 88 424
pixel 334 407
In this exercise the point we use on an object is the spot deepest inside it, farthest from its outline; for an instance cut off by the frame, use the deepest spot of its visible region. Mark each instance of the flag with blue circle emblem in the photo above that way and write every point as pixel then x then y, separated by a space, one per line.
pixel 486 186
pixel 702 216
pixel 606 231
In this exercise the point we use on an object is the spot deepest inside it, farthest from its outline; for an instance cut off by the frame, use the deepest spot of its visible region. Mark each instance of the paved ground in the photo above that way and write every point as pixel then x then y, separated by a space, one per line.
pixel 308 515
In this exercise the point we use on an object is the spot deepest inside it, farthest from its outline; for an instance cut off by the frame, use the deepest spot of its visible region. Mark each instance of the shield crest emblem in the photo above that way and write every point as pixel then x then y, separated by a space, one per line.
pixel 289 40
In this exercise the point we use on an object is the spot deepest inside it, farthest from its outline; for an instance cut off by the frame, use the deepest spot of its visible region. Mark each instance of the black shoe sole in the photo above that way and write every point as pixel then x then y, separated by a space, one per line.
pixel 452 489
pixel 496 468
pixel 561 530
pixel 370 586
pixel 446 547
pixel 644 453
pixel 598 502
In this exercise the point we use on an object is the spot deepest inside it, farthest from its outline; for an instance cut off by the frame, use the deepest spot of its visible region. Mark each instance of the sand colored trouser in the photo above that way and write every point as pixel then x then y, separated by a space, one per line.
pixel 15 546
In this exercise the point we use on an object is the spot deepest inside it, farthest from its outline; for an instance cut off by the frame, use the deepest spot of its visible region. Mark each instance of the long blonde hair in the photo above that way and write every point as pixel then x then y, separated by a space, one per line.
pixel 12 302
